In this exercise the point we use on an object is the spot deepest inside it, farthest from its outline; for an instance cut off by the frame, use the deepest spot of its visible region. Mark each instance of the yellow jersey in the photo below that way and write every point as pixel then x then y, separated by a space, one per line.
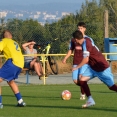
pixel 11 50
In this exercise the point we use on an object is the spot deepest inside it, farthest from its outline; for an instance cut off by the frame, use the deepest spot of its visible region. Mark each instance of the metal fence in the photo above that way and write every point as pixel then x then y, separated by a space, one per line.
pixel 113 30
pixel 45 34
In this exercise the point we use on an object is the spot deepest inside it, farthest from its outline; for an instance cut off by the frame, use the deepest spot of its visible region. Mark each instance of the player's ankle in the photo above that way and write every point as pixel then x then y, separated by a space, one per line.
pixel 89 97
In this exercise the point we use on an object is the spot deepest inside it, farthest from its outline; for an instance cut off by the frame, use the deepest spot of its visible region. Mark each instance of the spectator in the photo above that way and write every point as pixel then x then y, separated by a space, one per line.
pixel 31 62
pixel 78 56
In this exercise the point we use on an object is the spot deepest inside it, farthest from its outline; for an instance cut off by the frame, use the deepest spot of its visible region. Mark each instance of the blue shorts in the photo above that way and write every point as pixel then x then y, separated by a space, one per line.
pixel 27 65
pixel 89 73
pixel 105 76
pixel 9 71
pixel 76 73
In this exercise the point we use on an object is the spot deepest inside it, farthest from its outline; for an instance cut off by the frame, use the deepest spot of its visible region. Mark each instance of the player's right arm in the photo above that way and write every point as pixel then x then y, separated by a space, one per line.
pixel 70 51
pixel 67 56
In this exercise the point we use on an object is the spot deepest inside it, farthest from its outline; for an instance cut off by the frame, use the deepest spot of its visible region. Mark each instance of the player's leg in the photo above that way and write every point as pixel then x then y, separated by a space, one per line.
pixel 81 72
pixel 87 75
pixel 12 73
pixel 18 96
pixel 75 75
pixel 90 101
pixel 107 77
pixel 10 80
pixel 1 105
pixel 82 95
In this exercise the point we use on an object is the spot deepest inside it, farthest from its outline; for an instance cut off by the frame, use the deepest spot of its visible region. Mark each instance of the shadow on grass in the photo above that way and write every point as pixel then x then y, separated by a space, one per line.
pixel 64 107
pixel 10 105
pixel 75 107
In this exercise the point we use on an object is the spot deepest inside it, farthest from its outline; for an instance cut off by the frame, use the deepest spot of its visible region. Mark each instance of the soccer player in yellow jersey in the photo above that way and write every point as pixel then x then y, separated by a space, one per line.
pixel 13 65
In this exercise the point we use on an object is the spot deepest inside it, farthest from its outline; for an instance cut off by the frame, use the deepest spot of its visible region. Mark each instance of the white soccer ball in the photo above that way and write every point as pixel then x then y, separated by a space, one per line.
pixel 66 95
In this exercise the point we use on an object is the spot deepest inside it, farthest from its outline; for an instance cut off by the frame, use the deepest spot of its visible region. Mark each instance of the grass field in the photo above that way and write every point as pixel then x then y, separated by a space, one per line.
pixel 45 101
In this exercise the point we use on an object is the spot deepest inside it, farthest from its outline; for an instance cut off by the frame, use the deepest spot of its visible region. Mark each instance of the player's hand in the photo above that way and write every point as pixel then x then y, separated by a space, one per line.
pixel 74 68
pixel 64 61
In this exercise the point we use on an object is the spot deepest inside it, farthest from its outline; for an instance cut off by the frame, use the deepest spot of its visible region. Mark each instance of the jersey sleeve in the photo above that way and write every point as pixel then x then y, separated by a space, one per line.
pixel 92 42
pixel 71 45
pixel 87 47
pixel 1 45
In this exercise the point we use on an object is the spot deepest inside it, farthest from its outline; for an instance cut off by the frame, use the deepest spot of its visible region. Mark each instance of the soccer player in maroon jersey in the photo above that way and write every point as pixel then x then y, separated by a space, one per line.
pixel 98 67
pixel 78 56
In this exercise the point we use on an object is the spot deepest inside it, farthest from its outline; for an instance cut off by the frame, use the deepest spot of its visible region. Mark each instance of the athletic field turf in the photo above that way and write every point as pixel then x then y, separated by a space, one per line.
pixel 45 101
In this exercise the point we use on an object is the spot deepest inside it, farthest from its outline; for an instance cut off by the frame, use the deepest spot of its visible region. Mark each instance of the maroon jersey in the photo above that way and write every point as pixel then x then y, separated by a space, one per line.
pixel 96 60
pixel 78 52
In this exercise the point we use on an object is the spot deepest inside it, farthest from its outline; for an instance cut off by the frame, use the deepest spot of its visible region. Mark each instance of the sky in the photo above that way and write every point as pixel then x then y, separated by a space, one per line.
pixel 43 5
pixel 49 5
pixel 29 2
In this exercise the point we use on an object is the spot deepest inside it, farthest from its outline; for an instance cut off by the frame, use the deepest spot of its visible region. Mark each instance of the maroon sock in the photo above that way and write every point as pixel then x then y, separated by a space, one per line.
pixel 82 90
pixel 114 88
pixel 85 88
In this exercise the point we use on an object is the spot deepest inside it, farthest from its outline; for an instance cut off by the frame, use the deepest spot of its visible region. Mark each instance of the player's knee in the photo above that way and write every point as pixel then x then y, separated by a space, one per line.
pixel 84 78
pixel 82 83
pixel 11 82
pixel 76 82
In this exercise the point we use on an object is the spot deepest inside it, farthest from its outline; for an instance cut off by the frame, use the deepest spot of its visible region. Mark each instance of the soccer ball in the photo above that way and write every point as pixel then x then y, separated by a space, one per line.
pixel 66 95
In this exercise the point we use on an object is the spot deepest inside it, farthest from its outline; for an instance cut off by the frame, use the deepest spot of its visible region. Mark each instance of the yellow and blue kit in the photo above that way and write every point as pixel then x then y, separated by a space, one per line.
pixel 14 59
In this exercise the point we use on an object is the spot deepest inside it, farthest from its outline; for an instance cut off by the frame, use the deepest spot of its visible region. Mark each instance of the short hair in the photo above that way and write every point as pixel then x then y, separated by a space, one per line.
pixel 6 34
pixel 30 40
pixel 77 35
pixel 81 24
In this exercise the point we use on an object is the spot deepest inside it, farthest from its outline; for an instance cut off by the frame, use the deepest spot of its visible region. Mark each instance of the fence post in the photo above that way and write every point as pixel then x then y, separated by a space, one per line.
pixel 43 60
pixel 106 34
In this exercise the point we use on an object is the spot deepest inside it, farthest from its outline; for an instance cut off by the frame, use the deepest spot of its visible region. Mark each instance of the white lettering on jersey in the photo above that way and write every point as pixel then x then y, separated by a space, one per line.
pixel 78 48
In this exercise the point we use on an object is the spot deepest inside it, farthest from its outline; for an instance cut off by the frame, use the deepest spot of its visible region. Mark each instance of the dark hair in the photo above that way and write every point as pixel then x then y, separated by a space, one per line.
pixel 77 35
pixel 30 40
pixel 81 24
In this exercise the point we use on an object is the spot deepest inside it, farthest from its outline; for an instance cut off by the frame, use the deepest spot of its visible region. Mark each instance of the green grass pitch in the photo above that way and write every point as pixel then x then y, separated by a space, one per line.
pixel 45 101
